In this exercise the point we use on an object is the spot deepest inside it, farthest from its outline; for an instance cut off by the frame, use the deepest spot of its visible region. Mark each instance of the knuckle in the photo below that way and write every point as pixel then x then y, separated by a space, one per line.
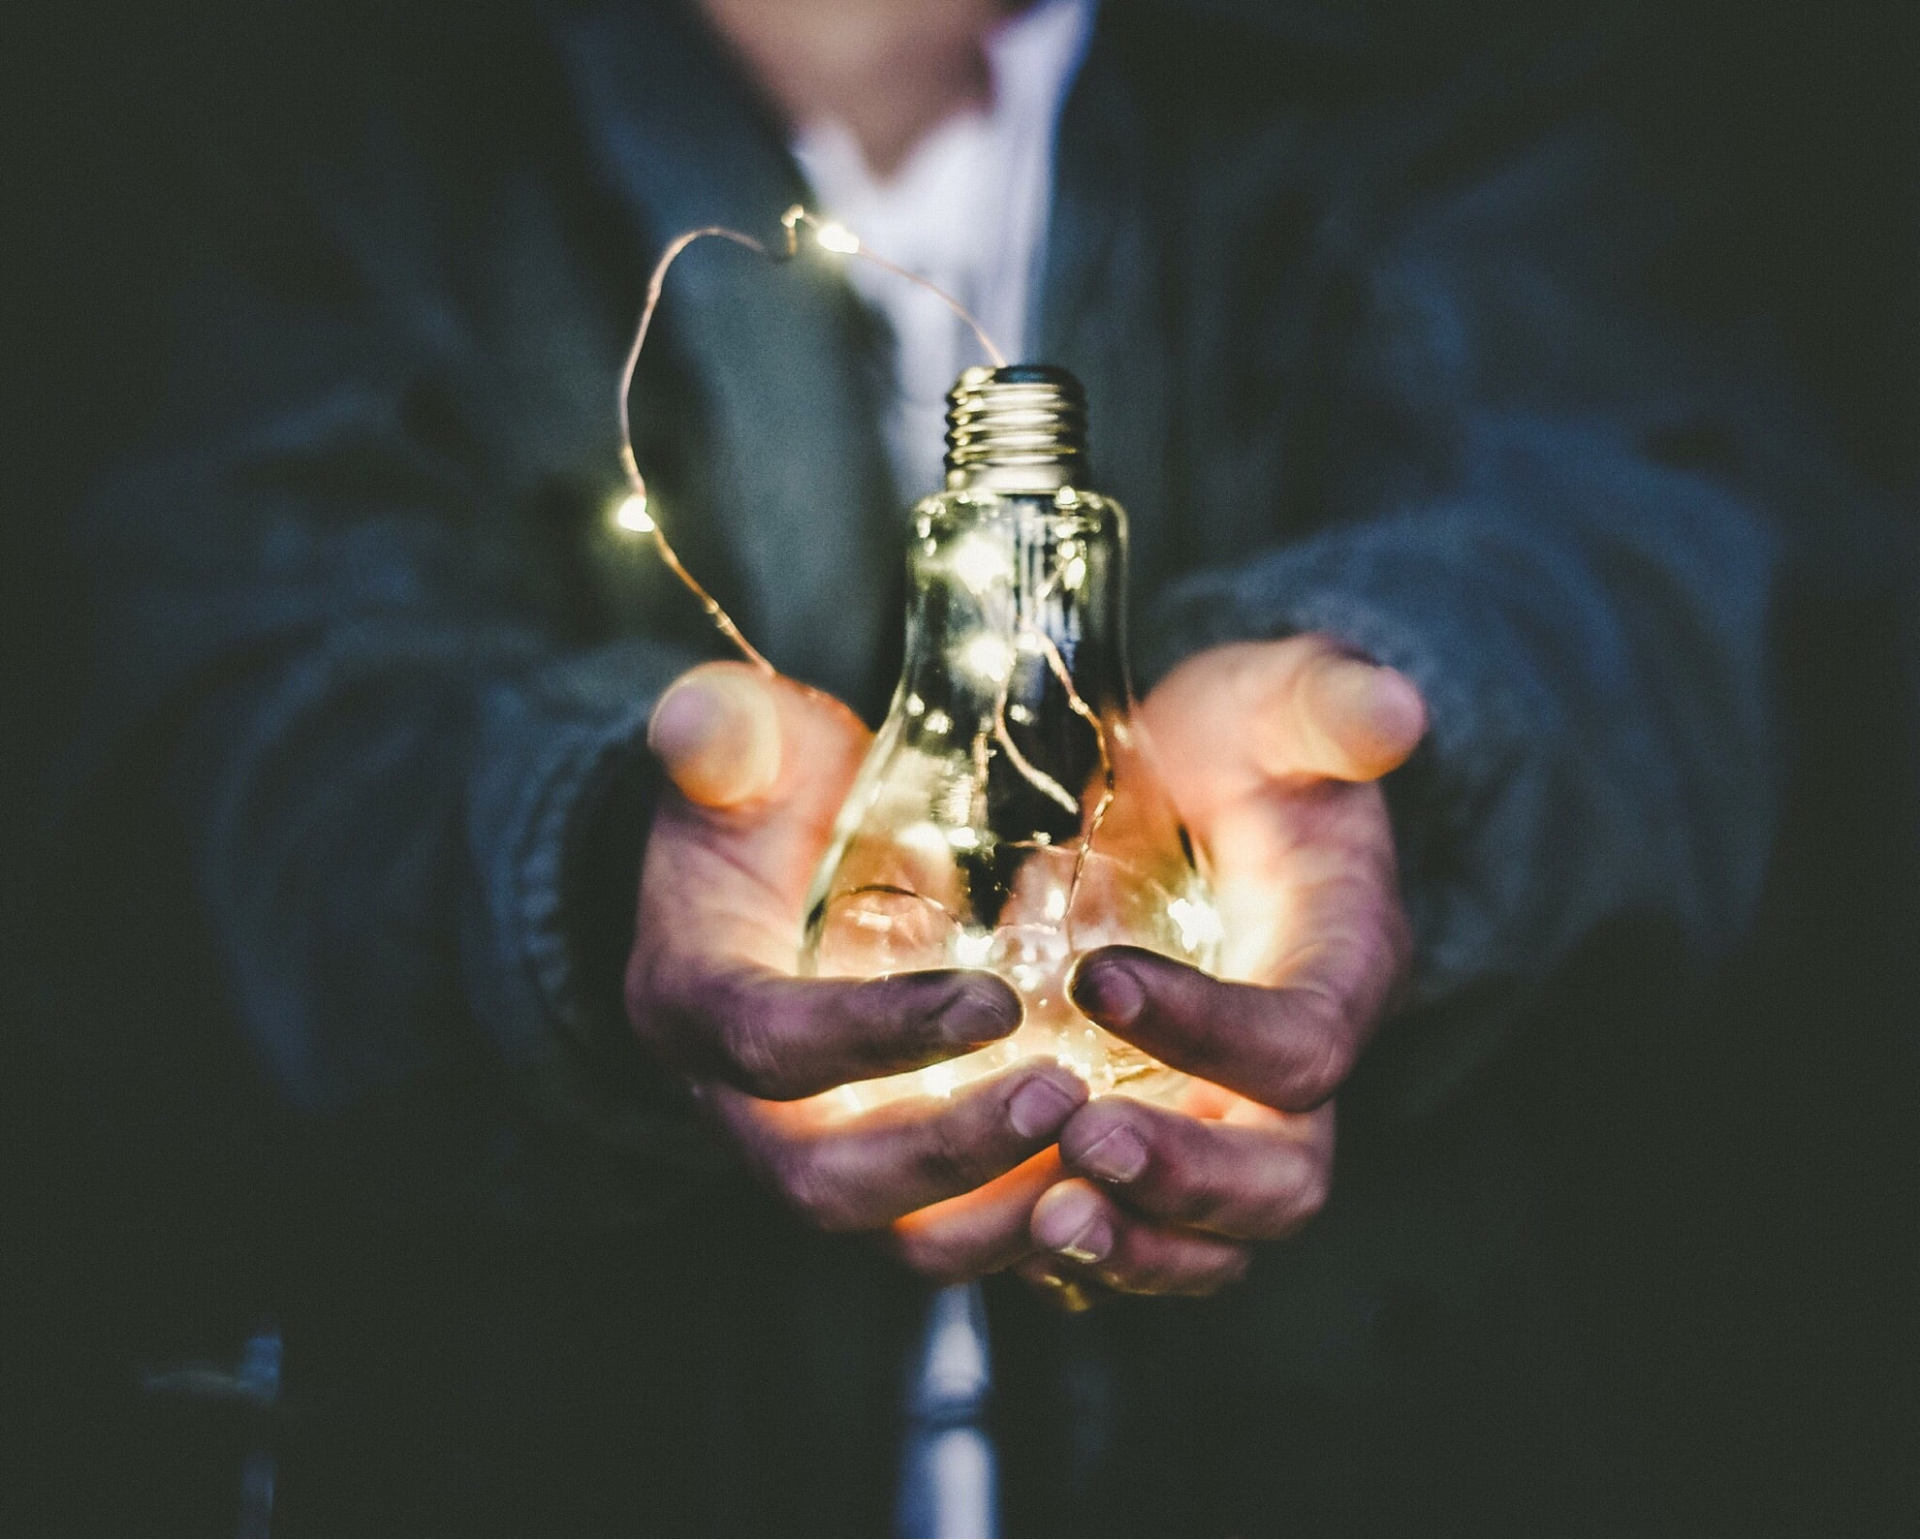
pixel 951 1160
pixel 809 1190
pixel 1302 1197
pixel 1208 1040
pixel 754 1056
pixel 1325 1056
pixel 1184 1190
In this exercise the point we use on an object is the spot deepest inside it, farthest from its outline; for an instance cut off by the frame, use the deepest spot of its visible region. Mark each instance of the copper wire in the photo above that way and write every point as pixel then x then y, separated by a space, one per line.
pixel 846 243
pixel 655 285
pixel 798 215
pixel 790 221
pixel 1098 816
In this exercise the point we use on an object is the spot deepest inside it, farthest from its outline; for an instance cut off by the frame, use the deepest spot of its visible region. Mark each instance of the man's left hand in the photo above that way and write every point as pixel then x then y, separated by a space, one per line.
pixel 1273 751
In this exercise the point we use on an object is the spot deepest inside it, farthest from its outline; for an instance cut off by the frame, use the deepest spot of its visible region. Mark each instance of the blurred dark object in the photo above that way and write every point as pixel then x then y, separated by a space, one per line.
pixel 1745 1255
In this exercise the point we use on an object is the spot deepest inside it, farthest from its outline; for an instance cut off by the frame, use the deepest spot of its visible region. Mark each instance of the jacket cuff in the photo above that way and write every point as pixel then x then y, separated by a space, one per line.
pixel 564 796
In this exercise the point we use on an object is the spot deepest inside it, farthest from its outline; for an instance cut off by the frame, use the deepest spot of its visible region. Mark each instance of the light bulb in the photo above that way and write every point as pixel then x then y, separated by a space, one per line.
pixel 1007 816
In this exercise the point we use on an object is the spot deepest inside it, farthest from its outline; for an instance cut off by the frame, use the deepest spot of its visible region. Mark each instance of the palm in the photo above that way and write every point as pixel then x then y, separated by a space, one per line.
pixel 1271 751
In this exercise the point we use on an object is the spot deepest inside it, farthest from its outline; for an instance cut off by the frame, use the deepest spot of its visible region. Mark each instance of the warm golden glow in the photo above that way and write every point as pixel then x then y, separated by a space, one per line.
pixel 987 657
pixel 630 513
pixel 980 564
pixel 837 237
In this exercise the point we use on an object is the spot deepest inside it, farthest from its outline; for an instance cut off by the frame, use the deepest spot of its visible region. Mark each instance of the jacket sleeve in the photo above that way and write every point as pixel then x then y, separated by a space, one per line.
pixel 1554 512
pixel 348 638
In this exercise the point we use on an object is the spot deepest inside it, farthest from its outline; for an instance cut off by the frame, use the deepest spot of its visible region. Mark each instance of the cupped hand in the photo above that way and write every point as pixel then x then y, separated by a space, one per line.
pixel 757 769
pixel 1272 751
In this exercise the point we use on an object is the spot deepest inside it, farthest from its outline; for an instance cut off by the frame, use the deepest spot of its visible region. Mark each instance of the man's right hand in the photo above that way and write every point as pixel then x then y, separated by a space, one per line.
pixel 758 768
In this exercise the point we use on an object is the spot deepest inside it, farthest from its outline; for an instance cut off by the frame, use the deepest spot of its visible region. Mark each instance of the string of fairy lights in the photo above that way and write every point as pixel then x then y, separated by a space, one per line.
pixel 977 566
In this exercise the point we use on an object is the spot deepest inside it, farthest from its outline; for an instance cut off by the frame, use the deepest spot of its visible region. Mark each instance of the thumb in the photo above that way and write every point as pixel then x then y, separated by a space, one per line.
pixel 1344 718
pixel 716 732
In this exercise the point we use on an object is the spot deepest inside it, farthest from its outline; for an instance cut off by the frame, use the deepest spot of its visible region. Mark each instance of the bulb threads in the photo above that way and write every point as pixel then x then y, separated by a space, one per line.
pixel 1016 428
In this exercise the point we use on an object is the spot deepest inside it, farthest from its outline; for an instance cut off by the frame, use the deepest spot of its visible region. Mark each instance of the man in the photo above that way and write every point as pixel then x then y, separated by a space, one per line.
pixel 1412 459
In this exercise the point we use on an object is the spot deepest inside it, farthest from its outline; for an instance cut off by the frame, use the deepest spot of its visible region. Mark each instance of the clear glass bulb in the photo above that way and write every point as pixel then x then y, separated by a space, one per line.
pixel 1010 740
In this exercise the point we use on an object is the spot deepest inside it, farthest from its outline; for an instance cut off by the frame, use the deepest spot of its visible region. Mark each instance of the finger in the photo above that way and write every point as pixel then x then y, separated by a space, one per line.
pixel 865 1171
pixel 1288 1048
pixel 781 1038
pixel 1258 1177
pixel 1337 716
pixel 978 1233
pixel 716 732
pixel 1080 1224
pixel 1233 718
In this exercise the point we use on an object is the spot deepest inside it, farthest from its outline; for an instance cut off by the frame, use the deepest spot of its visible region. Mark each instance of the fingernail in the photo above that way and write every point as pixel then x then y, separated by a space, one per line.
pixel 978 1014
pixel 1109 993
pixel 1075 1227
pixel 1375 714
pixel 1040 1107
pixel 1116 1156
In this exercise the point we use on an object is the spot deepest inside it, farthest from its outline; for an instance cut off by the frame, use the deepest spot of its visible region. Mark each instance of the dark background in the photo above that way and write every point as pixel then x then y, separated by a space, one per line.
pixel 1750 1254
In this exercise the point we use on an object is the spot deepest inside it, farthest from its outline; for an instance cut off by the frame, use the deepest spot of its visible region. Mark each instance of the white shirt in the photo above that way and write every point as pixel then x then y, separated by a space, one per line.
pixel 967 209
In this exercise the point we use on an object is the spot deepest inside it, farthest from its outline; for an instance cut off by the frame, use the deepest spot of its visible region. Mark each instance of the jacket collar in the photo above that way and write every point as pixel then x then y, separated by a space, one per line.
pixel 801 489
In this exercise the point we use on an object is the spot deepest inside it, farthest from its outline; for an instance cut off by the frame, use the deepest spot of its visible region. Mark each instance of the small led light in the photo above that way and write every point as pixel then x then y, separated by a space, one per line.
pixel 980 564
pixel 1075 575
pixel 837 237
pixel 988 657
pixel 1198 923
pixel 631 514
